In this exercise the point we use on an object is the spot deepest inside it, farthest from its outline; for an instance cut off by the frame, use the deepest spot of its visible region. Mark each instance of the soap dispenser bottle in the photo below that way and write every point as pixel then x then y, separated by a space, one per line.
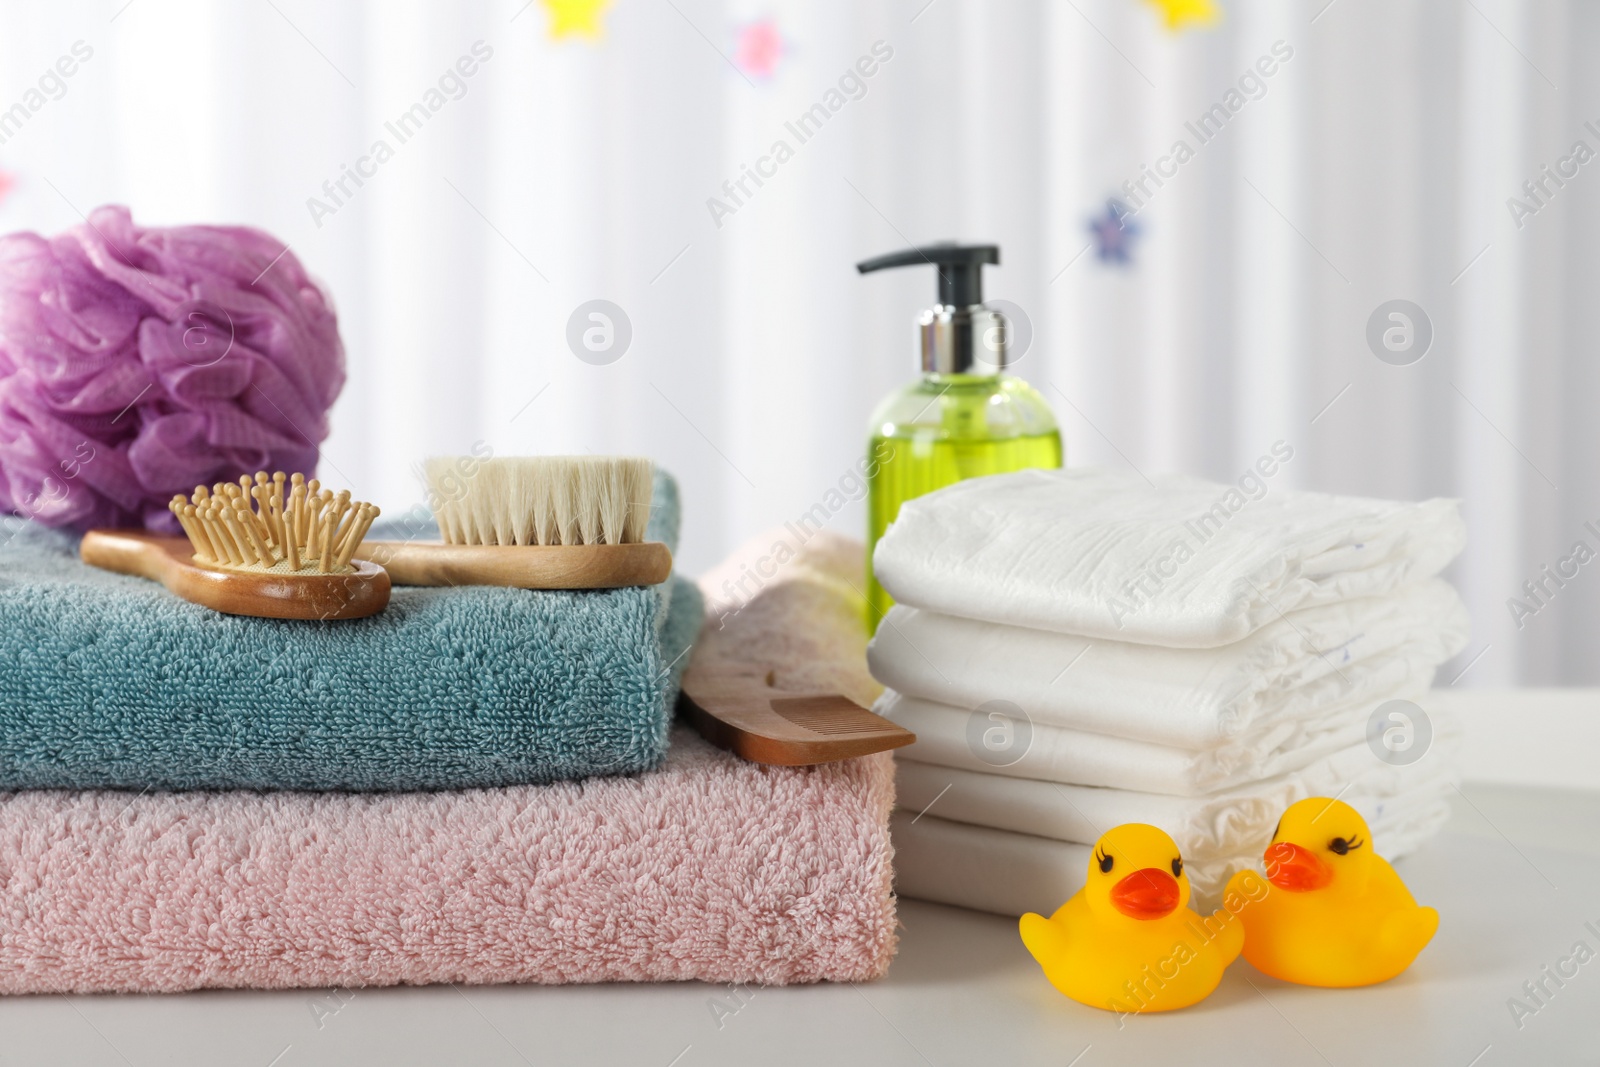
pixel 965 417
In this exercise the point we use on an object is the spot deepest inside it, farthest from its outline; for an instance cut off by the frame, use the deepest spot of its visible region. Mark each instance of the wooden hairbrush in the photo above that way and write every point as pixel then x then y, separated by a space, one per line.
pixel 742 712
pixel 254 550
pixel 533 522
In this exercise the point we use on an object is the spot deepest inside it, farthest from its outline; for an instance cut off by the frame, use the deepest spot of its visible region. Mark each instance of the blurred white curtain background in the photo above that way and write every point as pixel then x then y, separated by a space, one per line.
pixel 1374 163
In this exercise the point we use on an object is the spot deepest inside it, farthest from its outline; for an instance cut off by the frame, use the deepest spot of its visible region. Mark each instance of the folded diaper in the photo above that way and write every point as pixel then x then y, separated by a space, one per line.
pixel 1010 873
pixel 707 867
pixel 1183 562
pixel 1290 668
pixel 956 737
pixel 1217 825
pixel 111 681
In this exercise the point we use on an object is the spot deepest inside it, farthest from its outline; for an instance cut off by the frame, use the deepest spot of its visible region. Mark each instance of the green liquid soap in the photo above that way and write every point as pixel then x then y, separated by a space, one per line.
pixel 943 429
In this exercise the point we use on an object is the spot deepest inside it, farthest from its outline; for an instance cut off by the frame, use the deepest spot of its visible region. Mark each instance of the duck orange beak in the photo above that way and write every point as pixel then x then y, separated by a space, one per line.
pixel 1150 893
pixel 1293 868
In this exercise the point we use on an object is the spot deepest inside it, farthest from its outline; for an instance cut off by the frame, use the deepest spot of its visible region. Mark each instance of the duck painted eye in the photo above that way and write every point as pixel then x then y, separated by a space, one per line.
pixel 1340 846
pixel 1106 863
pixel 1177 868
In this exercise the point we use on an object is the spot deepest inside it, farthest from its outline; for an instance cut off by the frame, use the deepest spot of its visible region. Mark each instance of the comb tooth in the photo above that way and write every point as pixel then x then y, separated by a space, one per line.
pixel 275 515
pixel 198 535
pixel 313 524
pixel 341 540
pixel 361 521
pixel 262 515
pixel 253 536
pixel 175 505
pixel 348 523
pixel 325 550
pixel 297 507
pixel 324 524
pixel 291 551
pixel 336 513
pixel 360 536
pixel 241 544
pixel 236 538
pixel 218 553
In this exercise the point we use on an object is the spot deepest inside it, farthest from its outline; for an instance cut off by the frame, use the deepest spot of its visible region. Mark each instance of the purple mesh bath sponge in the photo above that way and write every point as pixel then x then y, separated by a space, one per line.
pixel 138 362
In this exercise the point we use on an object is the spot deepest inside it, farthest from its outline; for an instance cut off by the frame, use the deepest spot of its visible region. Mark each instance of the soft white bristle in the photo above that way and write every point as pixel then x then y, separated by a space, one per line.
pixel 541 500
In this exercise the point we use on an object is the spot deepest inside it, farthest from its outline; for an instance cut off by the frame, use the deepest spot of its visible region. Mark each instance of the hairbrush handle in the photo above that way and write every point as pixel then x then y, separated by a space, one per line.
pixel 521 566
pixel 170 560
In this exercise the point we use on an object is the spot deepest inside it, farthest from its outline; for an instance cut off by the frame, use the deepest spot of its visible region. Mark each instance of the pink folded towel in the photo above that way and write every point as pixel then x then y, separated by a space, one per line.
pixel 707 868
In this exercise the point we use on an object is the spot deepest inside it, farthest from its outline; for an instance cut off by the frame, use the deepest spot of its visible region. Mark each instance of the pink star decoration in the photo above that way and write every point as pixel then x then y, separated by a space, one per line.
pixel 759 49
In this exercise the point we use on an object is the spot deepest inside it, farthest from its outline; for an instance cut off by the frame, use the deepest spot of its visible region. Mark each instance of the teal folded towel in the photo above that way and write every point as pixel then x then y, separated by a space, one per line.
pixel 110 681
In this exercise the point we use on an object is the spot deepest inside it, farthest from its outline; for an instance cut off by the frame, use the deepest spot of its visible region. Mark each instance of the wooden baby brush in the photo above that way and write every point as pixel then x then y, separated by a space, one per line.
pixel 254 549
pixel 533 522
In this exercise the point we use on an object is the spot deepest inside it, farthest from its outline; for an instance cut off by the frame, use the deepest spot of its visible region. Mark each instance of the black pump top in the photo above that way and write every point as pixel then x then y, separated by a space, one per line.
pixel 960 268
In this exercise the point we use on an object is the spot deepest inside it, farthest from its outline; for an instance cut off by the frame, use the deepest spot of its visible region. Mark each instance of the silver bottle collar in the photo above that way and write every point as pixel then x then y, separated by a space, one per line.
pixel 963 340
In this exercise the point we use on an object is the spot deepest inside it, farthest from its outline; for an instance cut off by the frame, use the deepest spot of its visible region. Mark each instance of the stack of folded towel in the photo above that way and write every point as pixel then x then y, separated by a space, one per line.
pixel 1077 649
pixel 459 832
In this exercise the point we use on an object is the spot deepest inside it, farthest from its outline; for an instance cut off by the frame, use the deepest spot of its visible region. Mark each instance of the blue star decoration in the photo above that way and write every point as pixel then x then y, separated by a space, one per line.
pixel 1114 231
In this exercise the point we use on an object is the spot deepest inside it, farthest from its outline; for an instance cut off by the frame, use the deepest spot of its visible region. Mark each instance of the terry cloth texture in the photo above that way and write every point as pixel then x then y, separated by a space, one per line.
pixel 1180 562
pixel 108 681
pixel 707 868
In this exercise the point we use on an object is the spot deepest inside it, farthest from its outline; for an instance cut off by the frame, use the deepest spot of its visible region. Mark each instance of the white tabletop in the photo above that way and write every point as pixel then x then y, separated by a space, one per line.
pixel 1515 877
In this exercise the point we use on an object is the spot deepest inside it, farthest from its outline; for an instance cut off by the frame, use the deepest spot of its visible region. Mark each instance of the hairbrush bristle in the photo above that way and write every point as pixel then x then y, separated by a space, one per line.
pixel 255 526
pixel 541 500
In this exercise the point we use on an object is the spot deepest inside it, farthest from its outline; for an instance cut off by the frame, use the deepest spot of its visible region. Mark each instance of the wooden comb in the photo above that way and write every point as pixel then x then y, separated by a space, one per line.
pixel 742 712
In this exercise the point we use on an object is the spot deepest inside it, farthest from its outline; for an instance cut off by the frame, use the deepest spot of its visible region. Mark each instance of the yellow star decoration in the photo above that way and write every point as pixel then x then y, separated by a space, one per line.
pixel 576 17
pixel 1181 13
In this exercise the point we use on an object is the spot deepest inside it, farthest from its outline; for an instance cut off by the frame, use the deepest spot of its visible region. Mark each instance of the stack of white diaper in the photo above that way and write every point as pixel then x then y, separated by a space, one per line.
pixel 1076 649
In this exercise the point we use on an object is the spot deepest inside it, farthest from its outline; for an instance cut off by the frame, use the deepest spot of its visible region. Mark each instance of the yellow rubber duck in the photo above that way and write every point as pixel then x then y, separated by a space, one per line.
pixel 1335 914
pixel 1127 941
